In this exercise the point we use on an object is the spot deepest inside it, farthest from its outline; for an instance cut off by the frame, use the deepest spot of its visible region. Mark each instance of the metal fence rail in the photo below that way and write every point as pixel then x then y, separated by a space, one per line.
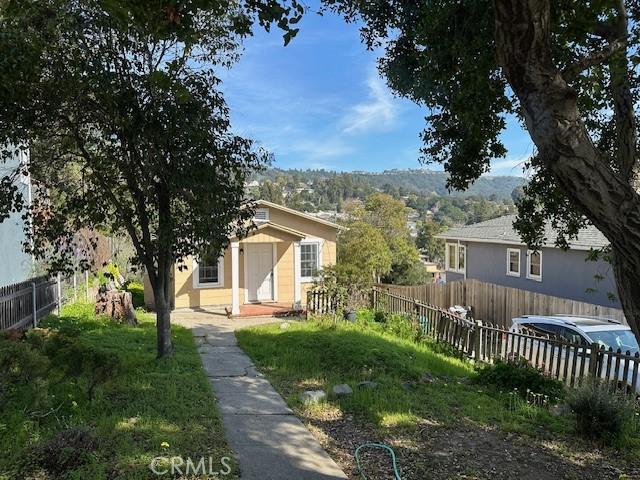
pixel 24 304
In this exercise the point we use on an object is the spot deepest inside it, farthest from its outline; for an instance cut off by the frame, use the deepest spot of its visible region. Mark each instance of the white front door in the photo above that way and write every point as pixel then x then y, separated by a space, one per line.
pixel 259 258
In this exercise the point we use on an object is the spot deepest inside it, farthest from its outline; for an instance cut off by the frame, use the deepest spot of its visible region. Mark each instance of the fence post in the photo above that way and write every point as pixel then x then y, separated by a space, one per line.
pixel 477 336
pixel 59 293
pixel 34 304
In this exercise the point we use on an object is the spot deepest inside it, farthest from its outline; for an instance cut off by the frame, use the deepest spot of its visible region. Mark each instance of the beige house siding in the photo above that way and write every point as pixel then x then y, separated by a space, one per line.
pixel 188 296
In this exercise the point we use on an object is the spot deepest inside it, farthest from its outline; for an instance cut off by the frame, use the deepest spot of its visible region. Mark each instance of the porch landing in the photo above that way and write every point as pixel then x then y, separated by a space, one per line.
pixel 266 310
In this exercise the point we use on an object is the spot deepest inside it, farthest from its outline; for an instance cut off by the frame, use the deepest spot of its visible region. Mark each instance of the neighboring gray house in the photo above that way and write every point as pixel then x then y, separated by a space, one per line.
pixel 15 265
pixel 493 252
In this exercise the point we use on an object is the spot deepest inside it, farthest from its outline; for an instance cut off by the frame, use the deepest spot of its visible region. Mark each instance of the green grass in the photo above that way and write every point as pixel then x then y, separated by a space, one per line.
pixel 137 293
pixel 149 402
pixel 315 355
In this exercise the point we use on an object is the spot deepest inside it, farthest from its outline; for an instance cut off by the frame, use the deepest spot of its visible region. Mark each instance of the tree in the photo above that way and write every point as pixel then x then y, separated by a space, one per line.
pixel 120 106
pixel 363 251
pixel 427 242
pixel 568 70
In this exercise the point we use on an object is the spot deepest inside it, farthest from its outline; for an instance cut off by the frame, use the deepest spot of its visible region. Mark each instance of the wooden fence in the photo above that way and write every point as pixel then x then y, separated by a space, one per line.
pixel 498 304
pixel 487 342
pixel 23 304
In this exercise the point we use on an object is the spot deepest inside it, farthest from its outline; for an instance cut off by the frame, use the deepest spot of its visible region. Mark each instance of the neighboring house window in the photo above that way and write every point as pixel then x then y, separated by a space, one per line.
pixel 261 215
pixel 456 257
pixel 309 260
pixel 462 258
pixel 208 271
pixel 452 256
pixel 513 262
pixel 534 265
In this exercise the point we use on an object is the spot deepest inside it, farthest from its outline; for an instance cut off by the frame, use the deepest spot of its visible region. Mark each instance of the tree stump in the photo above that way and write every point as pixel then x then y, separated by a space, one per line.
pixel 117 305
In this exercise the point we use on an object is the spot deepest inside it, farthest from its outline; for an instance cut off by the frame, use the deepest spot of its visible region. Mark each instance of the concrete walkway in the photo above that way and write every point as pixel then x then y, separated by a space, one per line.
pixel 269 441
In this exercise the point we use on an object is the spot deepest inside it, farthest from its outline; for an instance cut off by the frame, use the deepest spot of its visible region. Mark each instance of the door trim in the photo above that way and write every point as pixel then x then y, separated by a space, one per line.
pixel 274 273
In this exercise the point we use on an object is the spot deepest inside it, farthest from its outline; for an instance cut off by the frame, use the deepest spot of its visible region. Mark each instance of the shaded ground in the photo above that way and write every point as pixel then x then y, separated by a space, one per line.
pixel 444 428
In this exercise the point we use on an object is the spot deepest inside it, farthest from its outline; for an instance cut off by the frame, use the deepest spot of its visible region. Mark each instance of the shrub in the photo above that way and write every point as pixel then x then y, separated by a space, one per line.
pixel 137 293
pixel 59 455
pixel 401 326
pixel 25 368
pixel 602 412
pixel 519 376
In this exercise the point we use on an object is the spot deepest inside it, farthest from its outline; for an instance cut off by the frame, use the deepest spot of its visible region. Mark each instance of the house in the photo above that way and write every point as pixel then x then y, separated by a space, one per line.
pixel 17 266
pixel 276 263
pixel 493 252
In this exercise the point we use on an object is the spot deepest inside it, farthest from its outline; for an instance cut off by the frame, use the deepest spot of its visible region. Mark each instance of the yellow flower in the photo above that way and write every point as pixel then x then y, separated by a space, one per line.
pixel 164 444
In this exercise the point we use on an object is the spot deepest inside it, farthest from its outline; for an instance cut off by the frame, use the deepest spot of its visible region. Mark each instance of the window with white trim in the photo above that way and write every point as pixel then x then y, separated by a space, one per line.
pixel 261 215
pixel 208 271
pixel 452 256
pixel 534 265
pixel 309 260
pixel 513 262
pixel 462 258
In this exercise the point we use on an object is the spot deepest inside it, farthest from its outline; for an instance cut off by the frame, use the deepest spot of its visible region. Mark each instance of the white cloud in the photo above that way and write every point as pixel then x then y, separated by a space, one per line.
pixel 379 112
pixel 509 166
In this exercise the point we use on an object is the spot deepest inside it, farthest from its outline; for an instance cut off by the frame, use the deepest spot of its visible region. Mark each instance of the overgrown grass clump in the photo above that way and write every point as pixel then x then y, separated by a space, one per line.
pixel 85 398
pixel 520 377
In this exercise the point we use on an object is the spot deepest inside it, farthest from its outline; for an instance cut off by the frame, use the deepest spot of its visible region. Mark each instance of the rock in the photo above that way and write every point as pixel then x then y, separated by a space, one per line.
pixel 284 325
pixel 312 396
pixel 342 389
pixel 116 304
pixel 427 378
pixel 368 385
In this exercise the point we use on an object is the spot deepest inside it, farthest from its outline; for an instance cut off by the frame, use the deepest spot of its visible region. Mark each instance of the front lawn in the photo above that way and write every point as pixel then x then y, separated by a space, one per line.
pixel 51 428
pixel 425 404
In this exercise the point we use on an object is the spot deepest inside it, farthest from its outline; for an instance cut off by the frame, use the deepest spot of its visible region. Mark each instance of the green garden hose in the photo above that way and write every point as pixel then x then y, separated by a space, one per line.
pixel 384 447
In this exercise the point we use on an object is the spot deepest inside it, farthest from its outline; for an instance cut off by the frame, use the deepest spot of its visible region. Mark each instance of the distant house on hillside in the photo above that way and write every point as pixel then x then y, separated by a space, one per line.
pixel 493 252
pixel 15 265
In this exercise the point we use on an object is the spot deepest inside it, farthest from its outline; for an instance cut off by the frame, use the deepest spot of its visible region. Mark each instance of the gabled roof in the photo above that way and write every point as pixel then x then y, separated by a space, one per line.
pixel 500 230
pixel 264 203
pixel 281 228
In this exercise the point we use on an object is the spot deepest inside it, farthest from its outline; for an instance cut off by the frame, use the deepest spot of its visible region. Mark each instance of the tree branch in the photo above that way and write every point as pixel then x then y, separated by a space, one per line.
pixel 571 72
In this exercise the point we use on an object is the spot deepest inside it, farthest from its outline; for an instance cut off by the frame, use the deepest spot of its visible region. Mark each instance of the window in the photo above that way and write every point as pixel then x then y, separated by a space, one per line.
pixel 452 256
pixel 513 262
pixel 208 271
pixel 261 215
pixel 534 265
pixel 462 257
pixel 309 260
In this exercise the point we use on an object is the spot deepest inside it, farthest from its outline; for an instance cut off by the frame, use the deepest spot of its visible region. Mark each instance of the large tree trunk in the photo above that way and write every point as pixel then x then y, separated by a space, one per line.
pixel 608 199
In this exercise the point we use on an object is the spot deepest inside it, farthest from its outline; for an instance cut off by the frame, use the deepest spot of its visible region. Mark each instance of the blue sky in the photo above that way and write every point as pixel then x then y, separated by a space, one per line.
pixel 320 103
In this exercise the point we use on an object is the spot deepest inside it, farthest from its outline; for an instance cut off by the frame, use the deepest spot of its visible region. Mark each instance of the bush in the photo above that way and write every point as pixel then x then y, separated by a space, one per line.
pixel 65 451
pixel 519 376
pixel 401 326
pixel 25 369
pixel 137 293
pixel 602 411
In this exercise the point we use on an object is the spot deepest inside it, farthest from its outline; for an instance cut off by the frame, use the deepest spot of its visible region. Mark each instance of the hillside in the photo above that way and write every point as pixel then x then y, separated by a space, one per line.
pixel 420 181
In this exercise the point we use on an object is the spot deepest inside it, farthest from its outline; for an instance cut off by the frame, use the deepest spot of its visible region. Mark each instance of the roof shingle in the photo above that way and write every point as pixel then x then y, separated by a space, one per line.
pixel 501 229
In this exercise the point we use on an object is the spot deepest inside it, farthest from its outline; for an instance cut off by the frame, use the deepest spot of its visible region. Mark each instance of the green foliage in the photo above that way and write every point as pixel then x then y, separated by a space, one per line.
pixel 64 434
pixel 520 377
pixel 602 411
pixel 137 293
pixel 400 326
pixel 427 242
pixel 23 370
pixel 363 252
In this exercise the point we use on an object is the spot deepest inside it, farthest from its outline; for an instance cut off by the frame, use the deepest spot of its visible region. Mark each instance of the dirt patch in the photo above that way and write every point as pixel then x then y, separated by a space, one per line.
pixel 466 451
